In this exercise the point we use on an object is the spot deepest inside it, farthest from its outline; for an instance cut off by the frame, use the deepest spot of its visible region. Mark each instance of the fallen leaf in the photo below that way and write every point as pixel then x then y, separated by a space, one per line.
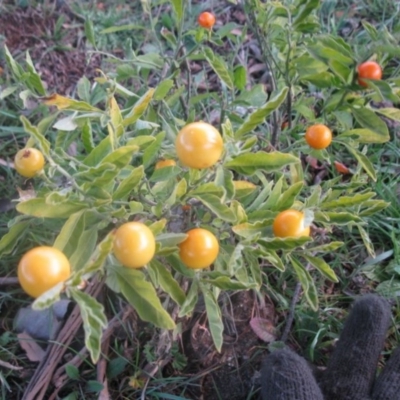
pixel 264 329
pixel 33 351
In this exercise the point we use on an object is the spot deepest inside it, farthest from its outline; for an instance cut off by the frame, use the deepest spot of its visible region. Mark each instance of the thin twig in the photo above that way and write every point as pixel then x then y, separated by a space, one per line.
pixel 290 318
pixel 9 281
pixel 41 379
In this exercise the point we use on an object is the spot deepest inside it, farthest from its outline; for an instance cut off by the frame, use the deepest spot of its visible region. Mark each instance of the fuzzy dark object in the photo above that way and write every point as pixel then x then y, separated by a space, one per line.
pixel 351 371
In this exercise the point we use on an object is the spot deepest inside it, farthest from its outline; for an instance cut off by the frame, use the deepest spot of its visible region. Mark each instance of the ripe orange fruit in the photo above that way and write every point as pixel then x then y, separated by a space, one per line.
pixel 134 244
pixel 165 163
pixel 290 223
pixel 41 268
pixel 28 162
pixel 318 136
pixel 369 70
pixel 206 20
pixel 199 145
pixel 200 249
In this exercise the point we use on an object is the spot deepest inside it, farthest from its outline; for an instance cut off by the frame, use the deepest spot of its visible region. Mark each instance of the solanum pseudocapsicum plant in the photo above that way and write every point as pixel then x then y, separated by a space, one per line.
pixel 113 179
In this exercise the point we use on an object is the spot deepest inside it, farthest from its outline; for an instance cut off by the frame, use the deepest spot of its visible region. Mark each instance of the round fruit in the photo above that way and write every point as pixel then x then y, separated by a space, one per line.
pixel 200 249
pixel 290 223
pixel 28 162
pixel 134 244
pixel 206 20
pixel 41 268
pixel 318 136
pixel 199 145
pixel 369 70
pixel 165 163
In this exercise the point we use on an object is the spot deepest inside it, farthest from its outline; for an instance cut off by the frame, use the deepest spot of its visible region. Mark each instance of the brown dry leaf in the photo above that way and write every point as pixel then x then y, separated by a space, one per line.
pixel 33 351
pixel 264 329
pixel 25 195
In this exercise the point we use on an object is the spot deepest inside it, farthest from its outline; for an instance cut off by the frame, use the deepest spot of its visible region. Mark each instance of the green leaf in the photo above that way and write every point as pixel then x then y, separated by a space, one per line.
pixel 167 282
pixel 139 108
pixel 12 237
pixel 248 230
pixel 367 241
pixel 34 132
pixel 151 152
pixel 308 66
pixel 128 184
pixel 323 53
pixel 390 112
pixel 121 157
pixel 307 283
pixel 84 250
pixel 66 103
pixel 207 188
pixel 214 316
pixel 384 90
pixel 338 218
pixel 190 301
pixel 87 137
pixel 142 296
pixel 97 259
pixel 328 247
pixel 14 66
pixel 249 163
pixel 226 283
pixel 34 80
pixel 98 153
pixel 48 298
pixel 214 204
pixel 162 89
pixel 178 8
pixel 369 120
pixel 322 267
pixel 272 257
pixel 347 201
pixel 363 136
pixel 39 208
pixel 165 174
pixel 304 11
pixel 171 239
pixel 89 32
pixel 287 198
pixel 258 116
pixel 217 63
pixel 68 238
pixel 240 77
pixel 116 118
pixel 283 244
pixel 94 321
pixel 364 161
pixel 262 196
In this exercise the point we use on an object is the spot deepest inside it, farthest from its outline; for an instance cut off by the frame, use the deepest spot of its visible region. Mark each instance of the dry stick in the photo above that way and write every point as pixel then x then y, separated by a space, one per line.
pixel 41 379
pixel 295 299
pixel 290 319
pixel 60 377
pixel 9 281
pixel 102 370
